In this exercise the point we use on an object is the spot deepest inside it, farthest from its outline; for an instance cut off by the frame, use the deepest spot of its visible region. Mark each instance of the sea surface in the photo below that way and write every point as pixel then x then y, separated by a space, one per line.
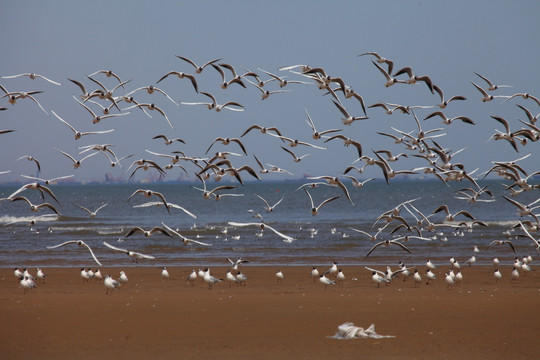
pixel 319 239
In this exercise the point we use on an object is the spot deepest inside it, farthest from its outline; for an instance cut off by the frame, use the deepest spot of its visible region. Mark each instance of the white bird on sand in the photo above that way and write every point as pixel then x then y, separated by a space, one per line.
pixel 379 279
pixel 164 273
pixel 340 277
pixel 132 254
pixel 242 278
pixel 279 276
pixel 79 243
pixel 326 281
pixel 314 273
pixel 208 278
pixel 497 275
pixel 110 284
pixel 27 284
pixel 123 277
pixel 231 278
pixel 192 277
pixel 40 275
pixel 417 278
pixel 430 276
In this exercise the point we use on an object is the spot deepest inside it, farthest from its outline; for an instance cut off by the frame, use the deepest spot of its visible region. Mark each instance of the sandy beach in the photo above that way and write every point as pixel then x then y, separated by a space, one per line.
pixel 150 318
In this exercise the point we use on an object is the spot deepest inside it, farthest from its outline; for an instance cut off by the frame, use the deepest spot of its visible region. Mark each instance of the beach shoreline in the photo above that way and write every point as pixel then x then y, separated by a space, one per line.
pixel 149 316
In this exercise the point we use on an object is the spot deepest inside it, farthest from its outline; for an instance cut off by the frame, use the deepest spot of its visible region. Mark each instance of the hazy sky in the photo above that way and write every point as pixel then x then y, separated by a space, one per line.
pixel 448 41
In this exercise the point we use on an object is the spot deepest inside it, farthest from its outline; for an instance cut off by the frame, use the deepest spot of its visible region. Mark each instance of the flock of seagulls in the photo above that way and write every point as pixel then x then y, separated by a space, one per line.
pixel 334 275
pixel 106 93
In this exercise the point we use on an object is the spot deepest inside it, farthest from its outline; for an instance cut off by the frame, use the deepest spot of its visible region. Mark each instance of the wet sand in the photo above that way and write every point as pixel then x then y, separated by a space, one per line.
pixel 150 318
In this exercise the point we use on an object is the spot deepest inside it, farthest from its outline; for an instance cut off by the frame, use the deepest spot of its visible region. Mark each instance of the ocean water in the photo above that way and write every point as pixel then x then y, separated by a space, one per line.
pixel 319 239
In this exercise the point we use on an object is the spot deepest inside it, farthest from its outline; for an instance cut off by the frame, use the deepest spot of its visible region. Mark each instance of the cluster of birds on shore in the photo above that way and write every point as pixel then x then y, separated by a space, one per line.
pixel 334 275
pixel 104 93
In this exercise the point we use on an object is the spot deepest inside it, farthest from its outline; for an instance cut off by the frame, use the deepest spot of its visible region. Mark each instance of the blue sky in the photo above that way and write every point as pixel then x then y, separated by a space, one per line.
pixel 448 41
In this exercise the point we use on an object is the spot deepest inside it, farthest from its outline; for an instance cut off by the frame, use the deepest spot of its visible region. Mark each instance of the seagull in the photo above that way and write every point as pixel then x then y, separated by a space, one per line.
pixel 198 69
pixel 167 140
pixel 491 87
pixel 381 60
pixel 48 181
pixel 444 103
pixel 171 205
pixel 524 210
pixel 14 96
pixel 227 141
pixel 123 277
pixel 279 277
pixel 32 76
pixel 486 96
pixel 348 119
pixel 389 79
pixel 151 107
pixel 31 158
pixel 447 120
pixel 27 283
pixel 184 239
pixel 497 275
pixel 182 75
pixel 242 278
pixel 346 142
pixel 34 207
pixel 334 181
pixel 149 193
pixel 266 93
pixel 326 281
pixel 208 193
pixel 314 273
pixel 430 276
pixel 110 284
pixel 296 142
pixel 92 214
pixel 451 217
pixel 34 186
pixel 316 134
pixel 413 79
pixel 108 73
pixel 294 156
pixel 79 243
pixel 211 280
pixel 150 90
pixel 79 134
pixel 235 80
pixel 268 207
pixel 192 277
pixel 263 129
pixel 237 263
pixel 315 209
pixel 147 233
pixel 524 96
pixel 388 243
pixel 135 256
pixel 215 106
pixel 282 81
pixel 263 226
pixel 231 278
pixel 40 275
pixel 502 242
pixel 379 279
pixel 417 278
pixel 536 242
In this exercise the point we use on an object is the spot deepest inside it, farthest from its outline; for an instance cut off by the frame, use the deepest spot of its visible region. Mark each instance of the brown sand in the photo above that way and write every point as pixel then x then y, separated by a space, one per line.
pixel 150 318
